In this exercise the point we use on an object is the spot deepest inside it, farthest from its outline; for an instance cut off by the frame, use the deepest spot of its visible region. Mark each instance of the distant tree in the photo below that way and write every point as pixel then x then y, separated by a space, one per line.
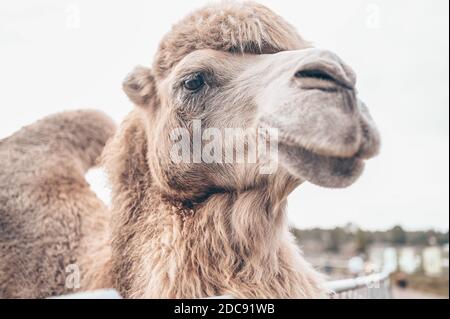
pixel 335 240
pixel 425 238
pixel 397 236
pixel 332 240
pixel 443 238
pixel 362 241
pixel 417 238
pixel 297 234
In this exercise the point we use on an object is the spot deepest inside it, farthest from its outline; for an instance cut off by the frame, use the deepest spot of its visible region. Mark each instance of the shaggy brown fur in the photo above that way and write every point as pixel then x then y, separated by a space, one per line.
pixel 49 217
pixel 189 230
pixel 234 243
pixel 183 230
pixel 234 27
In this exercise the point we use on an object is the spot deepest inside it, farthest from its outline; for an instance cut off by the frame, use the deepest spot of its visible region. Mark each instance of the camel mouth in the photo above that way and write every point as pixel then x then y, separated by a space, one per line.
pixel 319 169
pixel 334 166
pixel 323 137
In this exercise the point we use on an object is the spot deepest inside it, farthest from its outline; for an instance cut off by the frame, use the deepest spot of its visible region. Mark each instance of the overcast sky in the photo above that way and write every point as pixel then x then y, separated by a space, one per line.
pixel 57 55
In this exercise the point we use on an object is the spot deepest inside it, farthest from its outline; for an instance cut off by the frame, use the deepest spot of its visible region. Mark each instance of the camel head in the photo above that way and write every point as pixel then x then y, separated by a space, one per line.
pixel 239 65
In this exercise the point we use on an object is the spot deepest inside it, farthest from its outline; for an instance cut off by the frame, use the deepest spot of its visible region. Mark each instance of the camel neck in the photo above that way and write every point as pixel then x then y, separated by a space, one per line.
pixel 235 243
pixel 189 206
pixel 160 245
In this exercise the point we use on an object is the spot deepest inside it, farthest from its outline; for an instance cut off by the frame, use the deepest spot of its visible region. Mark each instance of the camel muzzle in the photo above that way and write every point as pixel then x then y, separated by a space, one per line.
pixel 325 131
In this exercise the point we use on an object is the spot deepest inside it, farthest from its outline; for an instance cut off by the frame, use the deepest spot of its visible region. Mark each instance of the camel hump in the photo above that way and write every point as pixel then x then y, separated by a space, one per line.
pixel 71 138
pixel 48 213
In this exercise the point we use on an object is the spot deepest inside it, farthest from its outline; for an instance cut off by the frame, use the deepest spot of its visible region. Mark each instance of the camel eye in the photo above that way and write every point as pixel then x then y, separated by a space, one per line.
pixel 195 82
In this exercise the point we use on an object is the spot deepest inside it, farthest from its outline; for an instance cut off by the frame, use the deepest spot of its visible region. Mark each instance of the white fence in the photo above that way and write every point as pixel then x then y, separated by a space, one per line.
pixel 375 286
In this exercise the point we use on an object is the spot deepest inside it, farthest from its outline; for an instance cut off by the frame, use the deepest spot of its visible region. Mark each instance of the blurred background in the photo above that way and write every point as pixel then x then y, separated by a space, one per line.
pixel 57 55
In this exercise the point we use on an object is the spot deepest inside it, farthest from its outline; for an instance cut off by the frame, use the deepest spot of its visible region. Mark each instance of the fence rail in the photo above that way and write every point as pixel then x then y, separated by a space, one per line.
pixel 375 286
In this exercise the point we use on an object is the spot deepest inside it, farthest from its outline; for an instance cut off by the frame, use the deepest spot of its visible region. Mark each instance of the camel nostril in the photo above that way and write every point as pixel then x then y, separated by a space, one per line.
pixel 324 75
pixel 314 74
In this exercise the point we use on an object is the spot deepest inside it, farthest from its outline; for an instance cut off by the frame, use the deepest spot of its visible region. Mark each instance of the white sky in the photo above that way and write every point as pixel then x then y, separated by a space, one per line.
pixel 57 55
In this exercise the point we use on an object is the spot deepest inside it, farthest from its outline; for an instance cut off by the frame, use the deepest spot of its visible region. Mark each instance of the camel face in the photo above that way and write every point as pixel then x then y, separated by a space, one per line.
pixel 324 131
pixel 242 66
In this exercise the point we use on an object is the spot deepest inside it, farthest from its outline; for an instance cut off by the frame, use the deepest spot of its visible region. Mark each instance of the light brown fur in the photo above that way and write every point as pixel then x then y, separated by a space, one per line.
pixel 235 243
pixel 192 230
pixel 49 217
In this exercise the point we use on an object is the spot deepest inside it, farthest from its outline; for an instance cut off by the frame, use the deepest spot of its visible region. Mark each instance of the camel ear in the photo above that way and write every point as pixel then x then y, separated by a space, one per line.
pixel 140 87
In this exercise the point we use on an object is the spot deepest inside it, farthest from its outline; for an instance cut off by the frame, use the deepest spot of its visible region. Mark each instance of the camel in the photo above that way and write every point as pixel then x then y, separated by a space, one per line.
pixel 185 230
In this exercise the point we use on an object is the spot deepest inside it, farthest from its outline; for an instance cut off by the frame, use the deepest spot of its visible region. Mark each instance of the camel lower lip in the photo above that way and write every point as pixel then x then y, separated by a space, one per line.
pixel 341 164
pixel 327 171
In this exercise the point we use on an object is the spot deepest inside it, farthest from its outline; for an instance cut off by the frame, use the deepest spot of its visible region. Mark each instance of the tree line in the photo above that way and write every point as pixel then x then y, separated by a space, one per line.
pixel 333 239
